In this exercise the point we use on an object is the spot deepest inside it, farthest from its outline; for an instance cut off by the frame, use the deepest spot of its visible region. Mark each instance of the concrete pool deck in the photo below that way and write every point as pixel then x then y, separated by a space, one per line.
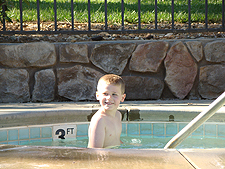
pixel 25 157
pixel 12 156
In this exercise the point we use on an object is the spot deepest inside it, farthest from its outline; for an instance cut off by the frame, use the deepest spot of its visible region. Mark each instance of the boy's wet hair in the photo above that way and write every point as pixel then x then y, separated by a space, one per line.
pixel 113 79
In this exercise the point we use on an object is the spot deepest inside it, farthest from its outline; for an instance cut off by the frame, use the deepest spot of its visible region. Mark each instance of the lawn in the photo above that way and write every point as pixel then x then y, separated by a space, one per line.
pixel 114 11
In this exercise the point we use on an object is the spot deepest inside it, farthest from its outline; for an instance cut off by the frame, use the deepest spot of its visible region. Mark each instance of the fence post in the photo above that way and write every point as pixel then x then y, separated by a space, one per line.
pixel 106 19
pixel 189 14
pixel 155 14
pixel 38 14
pixel 139 14
pixel 21 15
pixel 3 19
pixel 206 14
pixel 55 11
pixel 89 15
pixel 122 13
pixel 72 15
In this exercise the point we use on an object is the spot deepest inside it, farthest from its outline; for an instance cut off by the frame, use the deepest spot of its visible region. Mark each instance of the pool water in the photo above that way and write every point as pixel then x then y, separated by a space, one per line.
pixel 135 135
pixel 141 142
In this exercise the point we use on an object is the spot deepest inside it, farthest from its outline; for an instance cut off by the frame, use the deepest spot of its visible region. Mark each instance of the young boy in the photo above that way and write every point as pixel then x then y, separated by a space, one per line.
pixel 105 127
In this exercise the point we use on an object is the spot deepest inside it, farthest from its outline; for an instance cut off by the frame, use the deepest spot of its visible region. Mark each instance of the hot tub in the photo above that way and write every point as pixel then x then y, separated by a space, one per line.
pixel 38 124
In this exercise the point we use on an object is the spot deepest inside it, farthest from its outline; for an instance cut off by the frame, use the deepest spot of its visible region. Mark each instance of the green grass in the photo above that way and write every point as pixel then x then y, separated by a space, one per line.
pixel 114 11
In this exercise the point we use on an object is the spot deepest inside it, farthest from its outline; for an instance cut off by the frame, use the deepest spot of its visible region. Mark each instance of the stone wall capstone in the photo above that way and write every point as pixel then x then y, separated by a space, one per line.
pixel 28 55
pixel 215 51
pixel 73 53
pixel 148 57
pixel 196 49
pixel 112 58
pixel 163 69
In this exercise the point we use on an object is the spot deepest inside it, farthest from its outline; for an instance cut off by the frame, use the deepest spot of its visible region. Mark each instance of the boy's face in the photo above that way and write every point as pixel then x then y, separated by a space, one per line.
pixel 109 96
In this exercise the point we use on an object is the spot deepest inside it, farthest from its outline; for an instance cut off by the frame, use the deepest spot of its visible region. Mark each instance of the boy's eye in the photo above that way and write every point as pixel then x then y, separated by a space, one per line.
pixel 106 94
pixel 114 94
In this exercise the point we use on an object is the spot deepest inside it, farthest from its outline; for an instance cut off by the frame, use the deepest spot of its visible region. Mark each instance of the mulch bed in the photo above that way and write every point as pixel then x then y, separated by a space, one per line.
pixel 49 26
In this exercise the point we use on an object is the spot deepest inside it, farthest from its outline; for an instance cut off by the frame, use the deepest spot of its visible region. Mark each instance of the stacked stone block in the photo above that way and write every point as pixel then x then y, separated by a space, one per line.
pixel 172 69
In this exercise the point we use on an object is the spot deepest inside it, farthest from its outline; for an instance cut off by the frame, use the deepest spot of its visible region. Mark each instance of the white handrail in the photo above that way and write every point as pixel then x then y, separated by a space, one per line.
pixel 196 122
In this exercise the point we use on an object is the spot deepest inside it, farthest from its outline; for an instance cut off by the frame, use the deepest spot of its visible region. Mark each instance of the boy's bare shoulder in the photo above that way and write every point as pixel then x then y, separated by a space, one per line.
pixel 118 113
pixel 97 117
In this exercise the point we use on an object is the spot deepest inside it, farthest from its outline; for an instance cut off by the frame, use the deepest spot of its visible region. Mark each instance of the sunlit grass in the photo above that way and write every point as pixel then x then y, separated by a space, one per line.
pixel 114 11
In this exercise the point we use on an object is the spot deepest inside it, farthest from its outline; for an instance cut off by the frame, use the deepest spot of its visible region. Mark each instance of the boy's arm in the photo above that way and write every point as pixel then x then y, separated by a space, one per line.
pixel 97 134
pixel 120 116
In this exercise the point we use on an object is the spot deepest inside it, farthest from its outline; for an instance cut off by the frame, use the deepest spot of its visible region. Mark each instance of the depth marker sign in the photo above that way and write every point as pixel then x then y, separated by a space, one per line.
pixel 65 131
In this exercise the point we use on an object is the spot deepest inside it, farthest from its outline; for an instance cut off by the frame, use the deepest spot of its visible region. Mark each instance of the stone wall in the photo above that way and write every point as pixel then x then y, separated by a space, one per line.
pixel 173 69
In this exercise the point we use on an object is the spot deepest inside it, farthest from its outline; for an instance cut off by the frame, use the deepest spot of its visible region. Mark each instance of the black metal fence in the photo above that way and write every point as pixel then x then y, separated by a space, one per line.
pixel 106 28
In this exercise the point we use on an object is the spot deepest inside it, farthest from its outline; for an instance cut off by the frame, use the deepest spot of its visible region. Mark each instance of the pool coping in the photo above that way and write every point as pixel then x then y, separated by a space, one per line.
pixel 12 156
pixel 20 114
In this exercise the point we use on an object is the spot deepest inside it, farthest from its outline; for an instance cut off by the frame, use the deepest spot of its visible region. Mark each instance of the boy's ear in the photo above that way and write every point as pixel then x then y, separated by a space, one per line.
pixel 97 95
pixel 123 97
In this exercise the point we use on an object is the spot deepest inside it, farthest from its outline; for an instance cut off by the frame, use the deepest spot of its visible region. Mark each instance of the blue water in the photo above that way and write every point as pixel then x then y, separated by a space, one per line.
pixel 142 142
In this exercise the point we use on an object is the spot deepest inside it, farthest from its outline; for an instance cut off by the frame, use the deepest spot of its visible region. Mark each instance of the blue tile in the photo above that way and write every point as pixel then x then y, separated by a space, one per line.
pixel 13 143
pixel 171 129
pixel 35 141
pixel 198 131
pixel 46 140
pixel 46 132
pixel 145 128
pixel 182 125
pixel 35 132
pixel 82 129
pixel 3 135
pixel 12 134
pixel 24 133
pixel 221 130
pixel 4 143
pixel 159 136
pixel 132 128
pixel 158 129
pixel 24 142
pixel 210 130
pixel 124 128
